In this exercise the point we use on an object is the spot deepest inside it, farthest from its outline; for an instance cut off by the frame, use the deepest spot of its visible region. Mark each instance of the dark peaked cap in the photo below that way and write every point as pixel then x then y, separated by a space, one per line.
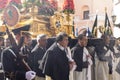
pixel 18 30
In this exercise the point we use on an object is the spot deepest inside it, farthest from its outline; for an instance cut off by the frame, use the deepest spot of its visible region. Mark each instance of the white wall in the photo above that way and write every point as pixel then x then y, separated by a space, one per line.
pixel 116 30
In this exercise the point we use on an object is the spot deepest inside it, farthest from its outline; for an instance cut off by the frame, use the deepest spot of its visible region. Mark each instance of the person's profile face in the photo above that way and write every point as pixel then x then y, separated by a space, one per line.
pixel 118 41
pixel 27 40
pixel 7 43
pixel 83 42
pixel 43 41
pixel 17 37
pixel 64 42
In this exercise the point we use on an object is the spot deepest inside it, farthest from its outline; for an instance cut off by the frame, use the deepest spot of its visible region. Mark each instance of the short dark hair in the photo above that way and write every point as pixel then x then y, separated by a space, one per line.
pixel 40 36
pixel 104 36
pixel 60 36
pixel 80 37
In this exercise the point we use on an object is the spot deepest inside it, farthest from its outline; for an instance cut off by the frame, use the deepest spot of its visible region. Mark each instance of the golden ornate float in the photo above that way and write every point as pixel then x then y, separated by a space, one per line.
pixel 50 25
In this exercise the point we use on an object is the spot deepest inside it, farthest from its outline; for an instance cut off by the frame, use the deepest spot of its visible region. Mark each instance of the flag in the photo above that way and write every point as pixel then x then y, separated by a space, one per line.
pixel 76 32
pixel 107 22
pixel 108 29
pixel 89 34
pixel 94 29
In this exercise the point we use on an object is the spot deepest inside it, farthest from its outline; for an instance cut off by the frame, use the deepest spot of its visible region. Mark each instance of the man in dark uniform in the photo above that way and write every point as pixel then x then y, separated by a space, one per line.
pixel 36 56
pixel 27 45
pixel 1 49
pixel 1 42
pixel 57 65
pixel 105 57
pixel 81 57
pixel 12 63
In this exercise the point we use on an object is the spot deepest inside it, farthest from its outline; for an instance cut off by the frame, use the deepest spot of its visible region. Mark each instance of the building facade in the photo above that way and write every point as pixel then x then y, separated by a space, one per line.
pixel 86 10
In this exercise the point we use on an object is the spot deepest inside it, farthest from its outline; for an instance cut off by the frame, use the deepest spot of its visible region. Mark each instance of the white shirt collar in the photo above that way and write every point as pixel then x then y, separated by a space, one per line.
pixel 61 47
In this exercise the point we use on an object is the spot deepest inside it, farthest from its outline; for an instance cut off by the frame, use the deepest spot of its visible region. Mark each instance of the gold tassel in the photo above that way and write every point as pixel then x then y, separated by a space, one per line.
pixel 95 32
pixel 102 29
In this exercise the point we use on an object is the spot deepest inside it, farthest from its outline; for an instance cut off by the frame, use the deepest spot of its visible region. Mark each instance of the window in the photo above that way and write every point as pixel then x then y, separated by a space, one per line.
pixel 86 14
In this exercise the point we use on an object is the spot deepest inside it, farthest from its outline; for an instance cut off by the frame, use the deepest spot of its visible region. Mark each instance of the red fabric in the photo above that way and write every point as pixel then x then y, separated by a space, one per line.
pixel 68 4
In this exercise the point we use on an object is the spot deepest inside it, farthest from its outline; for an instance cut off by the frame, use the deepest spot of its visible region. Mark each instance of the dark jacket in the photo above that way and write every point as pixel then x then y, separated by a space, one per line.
pixel 57 65
pixel 12 66
pixel 118 67
pixel 26 50
pixel 34 59
pixel 77 54
pixel 101 52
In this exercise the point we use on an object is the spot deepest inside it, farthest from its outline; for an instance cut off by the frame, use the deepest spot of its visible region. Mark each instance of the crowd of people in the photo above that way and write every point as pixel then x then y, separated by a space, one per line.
pixel 61 58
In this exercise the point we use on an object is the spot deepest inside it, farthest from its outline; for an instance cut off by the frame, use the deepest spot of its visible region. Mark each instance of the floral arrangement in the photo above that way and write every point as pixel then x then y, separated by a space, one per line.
pixel 3 3
pixel 47 7
pixel 68 6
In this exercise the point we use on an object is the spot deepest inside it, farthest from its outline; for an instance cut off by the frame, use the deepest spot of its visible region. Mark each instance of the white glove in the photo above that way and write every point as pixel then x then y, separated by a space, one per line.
pixel 30 75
